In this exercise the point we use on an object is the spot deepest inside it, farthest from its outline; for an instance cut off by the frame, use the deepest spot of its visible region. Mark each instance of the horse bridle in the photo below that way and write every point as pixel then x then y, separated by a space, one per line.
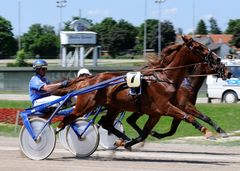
pixel 205 58
pixel 208 58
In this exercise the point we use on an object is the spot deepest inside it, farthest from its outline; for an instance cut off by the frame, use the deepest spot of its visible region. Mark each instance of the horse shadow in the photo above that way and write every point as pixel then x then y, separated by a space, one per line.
pixel 114 157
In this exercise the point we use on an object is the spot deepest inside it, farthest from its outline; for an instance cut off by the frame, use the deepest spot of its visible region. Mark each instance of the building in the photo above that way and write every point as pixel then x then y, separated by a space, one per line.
pixel 218 43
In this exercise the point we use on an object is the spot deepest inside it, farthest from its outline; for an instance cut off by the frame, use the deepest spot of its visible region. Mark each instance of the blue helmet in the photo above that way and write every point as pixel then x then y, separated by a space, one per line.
pixel 39 64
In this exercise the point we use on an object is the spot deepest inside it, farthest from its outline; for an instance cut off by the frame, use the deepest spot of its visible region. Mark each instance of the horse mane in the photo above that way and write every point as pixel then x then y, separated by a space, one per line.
pixel 154 61
pixel 78 79
pixel 71 86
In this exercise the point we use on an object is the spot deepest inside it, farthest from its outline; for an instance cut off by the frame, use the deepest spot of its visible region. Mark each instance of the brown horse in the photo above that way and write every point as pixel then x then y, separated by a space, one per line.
pixel 186 99
pixel 157 97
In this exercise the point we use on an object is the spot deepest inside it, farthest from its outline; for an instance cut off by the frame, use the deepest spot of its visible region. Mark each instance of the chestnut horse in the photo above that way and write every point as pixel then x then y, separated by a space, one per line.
pixel 186 99
pixel 157 94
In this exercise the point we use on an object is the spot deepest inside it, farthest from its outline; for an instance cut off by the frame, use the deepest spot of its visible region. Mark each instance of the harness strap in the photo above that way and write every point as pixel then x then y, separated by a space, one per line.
pixel 170 68
pixel 200 75
pixel 156 79
pixel 137 101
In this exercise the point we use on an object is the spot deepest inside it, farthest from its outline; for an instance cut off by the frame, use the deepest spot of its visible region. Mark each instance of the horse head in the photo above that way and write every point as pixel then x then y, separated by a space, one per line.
pixel 203 69
pixel 223 72
pixel 208 56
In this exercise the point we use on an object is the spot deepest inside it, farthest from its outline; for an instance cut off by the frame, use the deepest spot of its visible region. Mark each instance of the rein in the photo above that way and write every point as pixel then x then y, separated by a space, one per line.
pixel 155 78
pixel 200 75
pixel 171 68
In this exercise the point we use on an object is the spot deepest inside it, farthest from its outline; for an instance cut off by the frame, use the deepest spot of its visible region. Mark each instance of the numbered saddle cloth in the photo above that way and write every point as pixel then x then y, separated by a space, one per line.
pixel 133 80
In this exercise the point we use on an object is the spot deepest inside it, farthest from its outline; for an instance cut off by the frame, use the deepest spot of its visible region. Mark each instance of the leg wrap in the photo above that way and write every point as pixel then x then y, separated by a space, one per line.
pixel 197 125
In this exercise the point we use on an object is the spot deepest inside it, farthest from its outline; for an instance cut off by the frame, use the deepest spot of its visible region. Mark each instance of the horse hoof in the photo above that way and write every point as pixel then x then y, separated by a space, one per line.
pixel 119 142
pixel 211 138
pixel 129 148
pixel 142 144
pixel 224 135
pixel 209 135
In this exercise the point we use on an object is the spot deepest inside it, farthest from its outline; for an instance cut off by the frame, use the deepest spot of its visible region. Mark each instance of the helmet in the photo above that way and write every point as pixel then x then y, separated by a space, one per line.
pixel 39 64
pixel 83 71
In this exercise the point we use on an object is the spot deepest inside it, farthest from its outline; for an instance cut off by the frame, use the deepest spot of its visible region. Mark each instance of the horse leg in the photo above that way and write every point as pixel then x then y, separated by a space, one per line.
pixel 132 119
pixel 218 129
pixel 84 105
pixel 175 112
pixel 193 111
pixel 174 126
pixel 66 121
pixel 151 122
pixel 107 122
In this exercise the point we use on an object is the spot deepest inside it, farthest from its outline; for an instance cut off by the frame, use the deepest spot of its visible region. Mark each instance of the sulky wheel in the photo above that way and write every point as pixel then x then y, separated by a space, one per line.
pixel 107 140
pixel 43 146
pixel 87 144
pixel 63 138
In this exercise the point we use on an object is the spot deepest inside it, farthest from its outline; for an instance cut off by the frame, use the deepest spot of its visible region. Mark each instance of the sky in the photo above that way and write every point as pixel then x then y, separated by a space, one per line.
pixel 183 14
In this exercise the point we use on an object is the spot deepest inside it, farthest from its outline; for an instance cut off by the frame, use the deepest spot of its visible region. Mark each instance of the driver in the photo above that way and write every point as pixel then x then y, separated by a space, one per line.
pixel 84 72
pixel 40 87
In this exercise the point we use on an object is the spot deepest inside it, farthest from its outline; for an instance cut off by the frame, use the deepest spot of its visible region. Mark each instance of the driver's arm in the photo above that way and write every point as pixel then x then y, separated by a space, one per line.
pixel 50 87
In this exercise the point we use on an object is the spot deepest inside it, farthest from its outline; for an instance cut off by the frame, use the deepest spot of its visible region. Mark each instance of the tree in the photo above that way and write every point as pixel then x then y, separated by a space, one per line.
pixel 234 29
pixel 123 36
pixel 104 36
pixel 41 40
pixel 114 36
pixel 214 29
pixel 168 34
pixel 236 38
pixel 152 33
pixel 201 28
pixel 8 44
pixel 232 26
pixel 45 46
pixel 20 59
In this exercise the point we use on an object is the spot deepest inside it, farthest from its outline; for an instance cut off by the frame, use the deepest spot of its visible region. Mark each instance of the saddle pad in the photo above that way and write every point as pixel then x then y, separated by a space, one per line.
pixel 133 79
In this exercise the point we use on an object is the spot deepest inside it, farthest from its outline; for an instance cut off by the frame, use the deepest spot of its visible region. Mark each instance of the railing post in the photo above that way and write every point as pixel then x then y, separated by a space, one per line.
pixel 16 121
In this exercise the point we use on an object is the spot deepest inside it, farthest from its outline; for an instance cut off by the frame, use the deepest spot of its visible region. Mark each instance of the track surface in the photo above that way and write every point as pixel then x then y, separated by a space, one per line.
pixel 153 156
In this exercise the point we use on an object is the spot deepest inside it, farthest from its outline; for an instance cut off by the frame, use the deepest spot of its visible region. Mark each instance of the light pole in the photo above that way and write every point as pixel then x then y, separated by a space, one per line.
pixel 60 5
pixel 159 25
pixel 145 31
pixel 193 6
pixel 19 25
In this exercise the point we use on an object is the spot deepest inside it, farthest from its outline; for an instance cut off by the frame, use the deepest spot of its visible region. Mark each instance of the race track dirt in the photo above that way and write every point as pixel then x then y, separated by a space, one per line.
pixel 170 156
